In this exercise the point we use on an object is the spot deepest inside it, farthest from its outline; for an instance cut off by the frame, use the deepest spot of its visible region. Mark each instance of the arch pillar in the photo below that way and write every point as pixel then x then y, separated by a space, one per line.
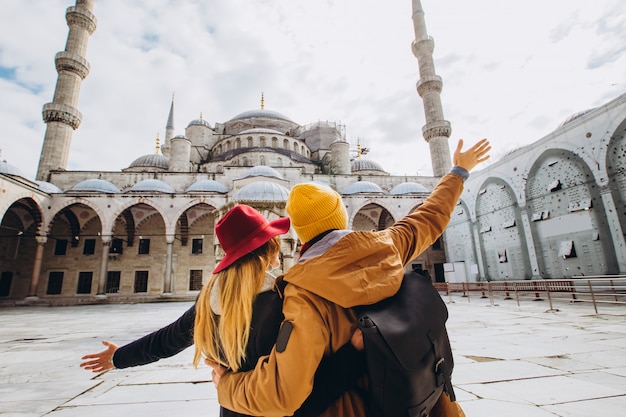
pixel 104 266
pixel 617 233
pixel 530 243
pixel 34 280
pixel 167 276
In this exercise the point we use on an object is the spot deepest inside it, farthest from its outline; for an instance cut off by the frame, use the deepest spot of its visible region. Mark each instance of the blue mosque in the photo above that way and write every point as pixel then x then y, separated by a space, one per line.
pixel 553 209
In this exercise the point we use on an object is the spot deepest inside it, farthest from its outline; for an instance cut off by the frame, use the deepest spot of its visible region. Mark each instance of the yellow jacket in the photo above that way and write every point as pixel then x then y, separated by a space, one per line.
pixel 342 270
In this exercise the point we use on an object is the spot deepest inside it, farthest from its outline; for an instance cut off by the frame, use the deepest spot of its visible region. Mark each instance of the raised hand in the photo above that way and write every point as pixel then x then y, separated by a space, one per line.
pixel 473 156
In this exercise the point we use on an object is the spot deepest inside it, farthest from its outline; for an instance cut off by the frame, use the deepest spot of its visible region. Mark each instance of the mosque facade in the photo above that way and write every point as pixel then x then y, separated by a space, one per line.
pixel 552 209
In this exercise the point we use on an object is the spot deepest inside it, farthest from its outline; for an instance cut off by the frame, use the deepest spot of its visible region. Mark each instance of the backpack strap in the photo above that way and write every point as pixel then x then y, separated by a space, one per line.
pixel 441 372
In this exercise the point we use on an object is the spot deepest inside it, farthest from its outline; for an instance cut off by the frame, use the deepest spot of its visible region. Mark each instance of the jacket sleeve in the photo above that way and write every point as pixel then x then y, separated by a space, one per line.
pixel 163 343
pixel 415 232
pixel 281 381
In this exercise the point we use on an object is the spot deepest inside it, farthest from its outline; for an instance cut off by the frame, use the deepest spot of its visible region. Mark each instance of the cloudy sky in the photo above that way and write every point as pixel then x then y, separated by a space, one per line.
pixel 512 71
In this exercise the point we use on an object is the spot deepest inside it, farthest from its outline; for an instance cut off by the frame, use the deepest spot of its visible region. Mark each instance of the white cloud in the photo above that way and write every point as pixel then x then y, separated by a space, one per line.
pixel 512 71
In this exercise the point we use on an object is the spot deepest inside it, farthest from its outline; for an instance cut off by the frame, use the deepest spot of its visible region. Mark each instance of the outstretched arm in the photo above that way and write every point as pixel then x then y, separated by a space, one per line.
pixel 163 343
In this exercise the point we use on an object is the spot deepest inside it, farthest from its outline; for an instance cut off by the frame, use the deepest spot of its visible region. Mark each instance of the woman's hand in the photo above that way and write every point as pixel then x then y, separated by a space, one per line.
pixel 101 361
pixel 473 156
pixel 217 372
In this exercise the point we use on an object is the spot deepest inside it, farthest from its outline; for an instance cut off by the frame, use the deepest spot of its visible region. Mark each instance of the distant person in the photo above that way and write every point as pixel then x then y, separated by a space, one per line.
pixel 237 315
pixel 338 269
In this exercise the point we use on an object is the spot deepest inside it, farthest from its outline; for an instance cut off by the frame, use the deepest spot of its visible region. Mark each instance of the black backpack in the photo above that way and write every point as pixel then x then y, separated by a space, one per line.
pixel 409 358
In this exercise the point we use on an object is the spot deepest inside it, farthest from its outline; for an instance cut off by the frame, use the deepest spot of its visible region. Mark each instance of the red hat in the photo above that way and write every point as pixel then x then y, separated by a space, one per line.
pixel 242 230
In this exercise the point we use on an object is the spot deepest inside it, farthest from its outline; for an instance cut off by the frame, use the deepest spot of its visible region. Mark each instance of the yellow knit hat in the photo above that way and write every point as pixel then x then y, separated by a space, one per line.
pixel 314 209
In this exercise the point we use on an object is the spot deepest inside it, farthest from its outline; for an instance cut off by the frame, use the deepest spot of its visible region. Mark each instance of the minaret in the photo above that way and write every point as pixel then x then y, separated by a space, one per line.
pixel 437 130
pixel 169 130
pixel 61 116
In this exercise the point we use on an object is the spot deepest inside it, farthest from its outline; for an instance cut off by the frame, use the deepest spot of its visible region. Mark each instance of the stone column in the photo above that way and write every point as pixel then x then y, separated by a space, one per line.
pixel 34 280
pixel 104 266
pixel 167 276
pixel 617 233
pixel 530 243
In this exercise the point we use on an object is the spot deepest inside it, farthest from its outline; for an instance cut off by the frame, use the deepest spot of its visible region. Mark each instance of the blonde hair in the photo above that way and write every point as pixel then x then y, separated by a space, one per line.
pixel 224 339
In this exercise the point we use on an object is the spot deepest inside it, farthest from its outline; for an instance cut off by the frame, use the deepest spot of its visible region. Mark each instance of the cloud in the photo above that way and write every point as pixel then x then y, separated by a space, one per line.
pixel 510 73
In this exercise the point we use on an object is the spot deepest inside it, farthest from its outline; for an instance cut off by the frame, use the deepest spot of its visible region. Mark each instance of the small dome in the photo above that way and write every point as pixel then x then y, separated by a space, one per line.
pixel 409 188
pixel 48 187
pixel 96 186
pixel 152 186
pixel 199 122
pixel 180 137
pixel 261 113
pixel 262 191
pixel 365 165
pixel 8 169
pixel 262 171
pixel 150 161
pixel 362 187
pixel 207 186
pixel 261 130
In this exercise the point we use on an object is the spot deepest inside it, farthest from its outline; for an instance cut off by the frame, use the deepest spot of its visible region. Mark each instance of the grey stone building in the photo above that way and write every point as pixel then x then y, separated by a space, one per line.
pixel 552 209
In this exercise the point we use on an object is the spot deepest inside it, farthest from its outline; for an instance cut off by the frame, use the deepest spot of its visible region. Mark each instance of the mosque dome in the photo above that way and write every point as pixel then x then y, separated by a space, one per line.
pixel 8 169
pixel 207 186
pixel 270 114
pixel 409 188
pixel 362 187
pixel 48 187
pixel 262 191
pixel 261 130
pixel 361 164
pixel 262 171
pixel 96 186
pixel 152 186
pixel 151 161
pixel 199 122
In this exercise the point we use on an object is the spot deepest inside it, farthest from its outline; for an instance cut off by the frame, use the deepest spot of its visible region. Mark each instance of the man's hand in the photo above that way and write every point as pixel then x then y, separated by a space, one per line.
pixel 473 156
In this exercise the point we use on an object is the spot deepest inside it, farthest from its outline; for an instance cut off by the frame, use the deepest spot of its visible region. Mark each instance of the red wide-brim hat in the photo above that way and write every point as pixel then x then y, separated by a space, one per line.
pixel 244 229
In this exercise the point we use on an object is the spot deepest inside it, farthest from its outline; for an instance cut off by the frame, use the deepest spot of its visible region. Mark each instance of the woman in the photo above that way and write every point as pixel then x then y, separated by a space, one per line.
pixel 237 315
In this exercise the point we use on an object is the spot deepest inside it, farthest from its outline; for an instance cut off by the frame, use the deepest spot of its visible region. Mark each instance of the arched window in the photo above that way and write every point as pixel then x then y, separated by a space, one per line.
pixel 249 141
pixel 238 143
pixel 274 142
pixel 295 147
pixel 262 142
pixel 286 144
pixel 262 160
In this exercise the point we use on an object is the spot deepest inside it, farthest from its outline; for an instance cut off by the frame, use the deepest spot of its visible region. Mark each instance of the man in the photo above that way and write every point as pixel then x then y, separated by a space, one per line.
pixel 338 269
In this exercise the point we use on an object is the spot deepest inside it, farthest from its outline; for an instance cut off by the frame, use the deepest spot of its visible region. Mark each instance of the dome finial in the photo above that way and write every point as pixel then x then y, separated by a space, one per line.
pixel 158 145
pixel 262 101
pixel 200 115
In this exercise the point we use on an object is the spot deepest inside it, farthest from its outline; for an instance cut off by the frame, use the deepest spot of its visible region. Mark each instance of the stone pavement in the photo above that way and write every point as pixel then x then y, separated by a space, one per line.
pixel 510 361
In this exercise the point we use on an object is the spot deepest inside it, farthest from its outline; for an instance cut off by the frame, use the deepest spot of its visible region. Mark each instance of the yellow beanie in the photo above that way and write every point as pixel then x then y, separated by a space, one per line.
pixel 314 209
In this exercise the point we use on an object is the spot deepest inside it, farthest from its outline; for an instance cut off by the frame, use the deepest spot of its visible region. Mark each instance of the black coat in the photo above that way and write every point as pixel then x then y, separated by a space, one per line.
pixel 335 374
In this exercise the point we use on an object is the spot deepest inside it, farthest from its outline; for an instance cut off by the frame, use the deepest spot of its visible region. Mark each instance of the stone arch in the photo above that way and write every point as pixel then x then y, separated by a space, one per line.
pixel 459 237
pixel 568 224
pixel 371 216
pixel 500 232
pixel 616 171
